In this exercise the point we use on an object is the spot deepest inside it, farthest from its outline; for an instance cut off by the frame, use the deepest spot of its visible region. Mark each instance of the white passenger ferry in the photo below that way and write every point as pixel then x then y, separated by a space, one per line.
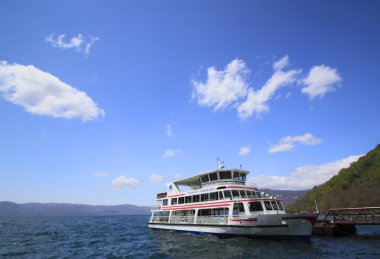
pixel 220 202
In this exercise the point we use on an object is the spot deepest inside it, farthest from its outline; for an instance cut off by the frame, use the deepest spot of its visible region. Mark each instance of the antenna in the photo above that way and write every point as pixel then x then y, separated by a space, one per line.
pixel 220 164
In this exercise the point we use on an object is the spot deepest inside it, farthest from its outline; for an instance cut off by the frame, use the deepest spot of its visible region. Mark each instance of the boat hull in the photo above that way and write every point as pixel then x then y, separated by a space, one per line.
pixel 269 226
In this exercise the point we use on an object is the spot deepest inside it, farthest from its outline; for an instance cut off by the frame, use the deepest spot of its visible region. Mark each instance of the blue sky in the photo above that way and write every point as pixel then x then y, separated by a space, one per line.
pixel 103 102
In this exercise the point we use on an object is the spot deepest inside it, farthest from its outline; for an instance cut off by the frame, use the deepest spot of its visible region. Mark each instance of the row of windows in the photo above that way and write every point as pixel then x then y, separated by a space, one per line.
pixel 238 209
pixel 269 205
pixel 223 175
pixel 202 212
pixel 220 195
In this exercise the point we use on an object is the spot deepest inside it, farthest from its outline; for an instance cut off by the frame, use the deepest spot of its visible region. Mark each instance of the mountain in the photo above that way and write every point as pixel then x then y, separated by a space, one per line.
pixel 287 196
pixel 67 209
pixel 356 186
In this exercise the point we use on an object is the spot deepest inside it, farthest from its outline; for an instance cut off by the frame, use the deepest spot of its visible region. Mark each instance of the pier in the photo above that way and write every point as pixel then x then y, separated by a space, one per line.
pixel 342 221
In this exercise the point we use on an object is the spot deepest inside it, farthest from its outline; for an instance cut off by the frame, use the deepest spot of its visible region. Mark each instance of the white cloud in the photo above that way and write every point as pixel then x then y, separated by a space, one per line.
pixel 78 43
pixel 222 87
pixel 287 143
pixel 257 100
pixel 42 93
pixel 321 79
pixel 229 87
pixel 123 181
pixel 100 174
pixel 169 131
pixel 244 151
pixel 172 153
pixel 305 177
pixel 155 178
pixel 282 63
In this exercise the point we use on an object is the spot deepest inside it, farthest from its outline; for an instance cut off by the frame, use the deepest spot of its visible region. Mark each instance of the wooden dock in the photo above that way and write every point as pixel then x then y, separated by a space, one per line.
pixel 342 221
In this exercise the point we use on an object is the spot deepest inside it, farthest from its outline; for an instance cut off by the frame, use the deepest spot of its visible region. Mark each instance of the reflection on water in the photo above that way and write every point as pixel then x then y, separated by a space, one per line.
pixel 176 244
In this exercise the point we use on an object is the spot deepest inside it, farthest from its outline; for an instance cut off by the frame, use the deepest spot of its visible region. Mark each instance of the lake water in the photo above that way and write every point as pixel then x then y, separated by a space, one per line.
pixel 129 237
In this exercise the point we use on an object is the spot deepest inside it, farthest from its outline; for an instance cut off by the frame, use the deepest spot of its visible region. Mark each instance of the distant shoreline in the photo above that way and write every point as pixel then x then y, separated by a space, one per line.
pixel 8 208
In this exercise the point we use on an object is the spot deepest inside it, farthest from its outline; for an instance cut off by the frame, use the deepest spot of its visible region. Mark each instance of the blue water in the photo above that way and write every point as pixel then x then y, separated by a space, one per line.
pixel 129 237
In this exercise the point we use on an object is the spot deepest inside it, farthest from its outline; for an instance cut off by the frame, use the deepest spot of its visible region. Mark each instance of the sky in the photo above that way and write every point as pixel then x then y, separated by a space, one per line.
pixel 103 102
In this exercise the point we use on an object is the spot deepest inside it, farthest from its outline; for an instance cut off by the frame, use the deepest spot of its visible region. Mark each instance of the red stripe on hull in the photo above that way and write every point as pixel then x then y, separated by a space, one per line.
pixel 198 206
pixel 241 187
pixel 252 219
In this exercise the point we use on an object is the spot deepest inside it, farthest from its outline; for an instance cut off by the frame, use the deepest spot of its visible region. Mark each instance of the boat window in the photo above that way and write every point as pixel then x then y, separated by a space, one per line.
pixel 238 209
pixel 258 195
pixel 213 177
pixel 235 193
pixel 174 201
pixel 267 205
pixel 220 212
pixel 213 196
pixel 227 194
pixel 220 195
pixel 196 198
pixel 188 199
pixel 243 194
pixel 225 175
pixel 183 213
pixel 255 206
pixel 165 202
pixel 204 212
pixel 280 205
pixel 204 197
pixel 181 200
pixel 274 205
pixel 204 178
pixel 242 177
pixel 236 175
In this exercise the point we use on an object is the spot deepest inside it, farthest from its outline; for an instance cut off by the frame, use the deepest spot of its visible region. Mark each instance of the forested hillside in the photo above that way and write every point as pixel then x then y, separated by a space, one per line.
pixel 356 186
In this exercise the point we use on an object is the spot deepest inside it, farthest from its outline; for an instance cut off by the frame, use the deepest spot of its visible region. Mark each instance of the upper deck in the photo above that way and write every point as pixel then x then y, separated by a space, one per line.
pixel 214 178
pixel 217 177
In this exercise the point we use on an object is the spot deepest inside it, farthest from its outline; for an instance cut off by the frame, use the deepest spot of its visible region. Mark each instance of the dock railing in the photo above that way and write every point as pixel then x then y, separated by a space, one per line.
pixel 352 216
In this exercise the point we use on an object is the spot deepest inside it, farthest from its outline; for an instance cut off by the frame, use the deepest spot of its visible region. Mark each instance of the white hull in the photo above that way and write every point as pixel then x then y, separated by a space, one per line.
pixel 270 226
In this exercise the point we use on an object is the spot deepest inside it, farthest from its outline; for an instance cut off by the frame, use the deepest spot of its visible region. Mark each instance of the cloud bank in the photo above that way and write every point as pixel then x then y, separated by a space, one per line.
pixel 305 177
pixel 123 181
pixel 41 93
pixel 288 143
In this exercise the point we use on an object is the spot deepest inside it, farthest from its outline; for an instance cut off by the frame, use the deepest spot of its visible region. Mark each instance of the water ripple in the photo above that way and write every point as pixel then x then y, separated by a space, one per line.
pixel 129 237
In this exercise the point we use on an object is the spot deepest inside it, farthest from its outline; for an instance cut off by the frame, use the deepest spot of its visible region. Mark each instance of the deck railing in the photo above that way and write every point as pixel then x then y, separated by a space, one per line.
pixel 159 219
pixel 155 207
pixel 207 220
pixel 212 220
pixel 182 219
